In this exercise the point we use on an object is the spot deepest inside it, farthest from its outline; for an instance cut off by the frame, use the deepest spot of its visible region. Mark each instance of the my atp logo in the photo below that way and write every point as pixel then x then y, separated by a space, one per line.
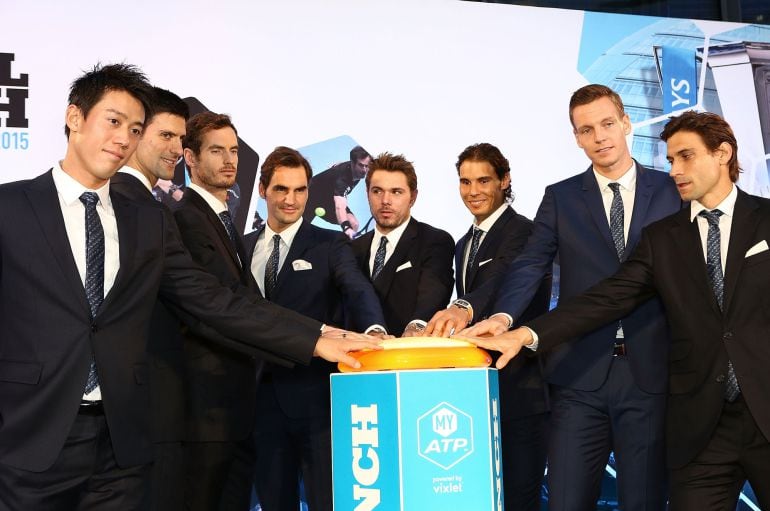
pixel 445 435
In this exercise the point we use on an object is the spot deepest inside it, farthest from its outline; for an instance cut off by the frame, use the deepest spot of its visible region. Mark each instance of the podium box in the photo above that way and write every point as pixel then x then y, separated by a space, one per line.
pixel 416 440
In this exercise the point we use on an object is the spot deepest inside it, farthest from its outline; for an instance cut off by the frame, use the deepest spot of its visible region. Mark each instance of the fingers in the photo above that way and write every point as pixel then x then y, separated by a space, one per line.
pixel 348 360
pixel 485 328
pixel 505 357
pixel 352 345
pixel 444 323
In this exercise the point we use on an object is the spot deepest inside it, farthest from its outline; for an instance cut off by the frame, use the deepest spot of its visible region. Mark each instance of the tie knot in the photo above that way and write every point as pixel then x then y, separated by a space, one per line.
pixel 477 232
pixel 276 241
pixel 711 216
pixel 615 187
pixel 383 241
pixel 225 216
pixel 89 198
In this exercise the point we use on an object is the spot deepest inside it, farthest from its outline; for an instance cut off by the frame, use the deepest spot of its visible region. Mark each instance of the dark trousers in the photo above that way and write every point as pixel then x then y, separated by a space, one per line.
pixel 524 450
pixel 85 476
pixel 736 452
pixel 288 449
pixel 212 475
pixel 586 426
pixel 167 478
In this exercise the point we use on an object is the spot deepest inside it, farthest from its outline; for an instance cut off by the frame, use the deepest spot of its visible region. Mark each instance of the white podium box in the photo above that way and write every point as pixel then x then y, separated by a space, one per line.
pixel 417 440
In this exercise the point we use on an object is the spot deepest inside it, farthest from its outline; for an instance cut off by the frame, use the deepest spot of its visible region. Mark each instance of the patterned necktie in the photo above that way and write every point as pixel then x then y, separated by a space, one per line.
pixel 227 220
pixel 94 284
pixel 475 239
pixel 379 258
pixel 271 268
pixel 714 269
pixel 616 219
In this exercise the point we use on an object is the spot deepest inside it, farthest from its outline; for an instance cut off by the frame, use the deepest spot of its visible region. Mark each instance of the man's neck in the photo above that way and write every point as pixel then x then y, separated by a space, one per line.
pixel 134 164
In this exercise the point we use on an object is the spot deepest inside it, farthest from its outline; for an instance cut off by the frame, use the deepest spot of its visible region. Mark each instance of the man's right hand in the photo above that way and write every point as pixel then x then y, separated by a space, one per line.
pixel 494 325
pixel 336 346
pixel 446 322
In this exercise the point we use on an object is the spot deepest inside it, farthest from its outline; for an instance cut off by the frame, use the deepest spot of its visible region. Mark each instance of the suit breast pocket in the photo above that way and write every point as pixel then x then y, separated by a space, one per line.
pixel 760 258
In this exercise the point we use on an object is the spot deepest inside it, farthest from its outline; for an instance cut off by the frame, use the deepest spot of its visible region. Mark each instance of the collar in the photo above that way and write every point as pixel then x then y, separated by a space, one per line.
pixel 70 190
pixel 393 236
pixel 131 171
pixel 627 181
pixel 727 206
pixel 217 205
pixel 287 235
pixel 488 222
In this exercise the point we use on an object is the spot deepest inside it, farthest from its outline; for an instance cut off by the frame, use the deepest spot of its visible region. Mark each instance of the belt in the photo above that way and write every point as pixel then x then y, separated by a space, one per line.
pixel 91 408
pixel 619 350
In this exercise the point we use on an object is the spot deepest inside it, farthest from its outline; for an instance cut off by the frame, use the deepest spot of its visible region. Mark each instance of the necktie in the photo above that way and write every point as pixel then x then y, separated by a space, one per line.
pixel 714 269
pixel 475 239
pixel 379 258
pixel 271 268
pixel 227 220
pixel 94 284
pixel 616 219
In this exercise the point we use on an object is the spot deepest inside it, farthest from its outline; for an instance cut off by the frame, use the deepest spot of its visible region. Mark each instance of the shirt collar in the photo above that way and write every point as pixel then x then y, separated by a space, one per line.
pixel 287 235
pixel 394 235
pixel 627 181
pixel 727 206
pixel 70 189
pixel 131 171
pixel 489 221
pixel 217 205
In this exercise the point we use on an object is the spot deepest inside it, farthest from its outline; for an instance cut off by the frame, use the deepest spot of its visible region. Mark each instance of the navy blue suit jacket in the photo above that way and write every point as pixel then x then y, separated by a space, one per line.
pixel 332 290
pixel 571 223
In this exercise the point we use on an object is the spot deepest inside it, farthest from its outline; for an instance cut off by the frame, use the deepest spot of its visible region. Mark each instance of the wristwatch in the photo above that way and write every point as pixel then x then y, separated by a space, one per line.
pixel 466 306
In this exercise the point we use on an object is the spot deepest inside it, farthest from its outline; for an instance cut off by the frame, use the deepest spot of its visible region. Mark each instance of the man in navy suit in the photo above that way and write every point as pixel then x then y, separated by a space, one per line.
pixel 482 256
pixel 411 270
pixel 312 271
pixel 608 388
pixel 82 267
pixel 709 265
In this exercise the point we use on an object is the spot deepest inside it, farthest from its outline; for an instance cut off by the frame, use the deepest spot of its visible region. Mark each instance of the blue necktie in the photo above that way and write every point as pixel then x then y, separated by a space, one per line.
pixel 616 220
pixel 94 284
pixel 379 258
pixel 271 269
pixel 475 239
pixel 714 269
pixel 227 220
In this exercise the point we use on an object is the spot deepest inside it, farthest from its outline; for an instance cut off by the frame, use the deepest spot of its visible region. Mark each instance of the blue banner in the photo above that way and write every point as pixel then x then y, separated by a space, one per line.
pixel 679 79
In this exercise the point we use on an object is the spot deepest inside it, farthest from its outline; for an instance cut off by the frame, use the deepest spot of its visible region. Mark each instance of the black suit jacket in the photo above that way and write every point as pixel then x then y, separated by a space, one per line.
pixel 669 262
pixel 417 279
pixel 522 389
pixel 47 335
pixel 320 279
pixel 220 383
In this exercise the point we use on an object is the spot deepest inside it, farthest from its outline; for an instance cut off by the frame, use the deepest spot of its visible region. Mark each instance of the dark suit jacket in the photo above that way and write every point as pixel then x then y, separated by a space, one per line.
pixel 331 290
pixel 47 335
pixel 522 388
pixel 571 223
pixel 422 288
pixel 669 261
pixel 220 383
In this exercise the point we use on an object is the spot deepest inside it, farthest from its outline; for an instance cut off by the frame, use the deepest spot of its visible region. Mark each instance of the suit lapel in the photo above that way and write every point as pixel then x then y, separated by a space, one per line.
pixel 213 219
pixel 488 245
pixel 363 250
pixel 400 255
pixel 459 260
pixel 44 202
pixel 745 221
pixel 301 242
pixel 642 199
pixel 592 198
pixel 128 229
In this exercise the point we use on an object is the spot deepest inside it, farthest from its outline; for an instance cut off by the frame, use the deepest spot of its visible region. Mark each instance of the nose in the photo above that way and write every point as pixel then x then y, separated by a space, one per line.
pixel 675 169
pixel 176 149
pixel 386 198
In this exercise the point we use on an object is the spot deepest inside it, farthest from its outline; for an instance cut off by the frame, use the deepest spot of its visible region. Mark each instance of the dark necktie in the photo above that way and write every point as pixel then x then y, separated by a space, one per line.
pixel 271 268
pixel 94 284
pixel 379 258
pixel 232 233
pixel 475 240
pixel 714 269
pixel 616 219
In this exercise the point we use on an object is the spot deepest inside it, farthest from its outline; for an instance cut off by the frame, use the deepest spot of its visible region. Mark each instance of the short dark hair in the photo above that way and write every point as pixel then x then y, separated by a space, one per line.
pixel 712 129
pixel 200 124
pixel 490 154
pixel 166 102
pixel 283 156
pixel 393 163
pixel 590 93
pixel 87 90
pixel 358 153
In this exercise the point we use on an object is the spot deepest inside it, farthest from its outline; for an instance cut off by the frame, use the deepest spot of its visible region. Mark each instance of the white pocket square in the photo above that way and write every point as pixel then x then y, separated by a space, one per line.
pixel 482 263
pixel 756 249
pixel 301 264
pixel 404 266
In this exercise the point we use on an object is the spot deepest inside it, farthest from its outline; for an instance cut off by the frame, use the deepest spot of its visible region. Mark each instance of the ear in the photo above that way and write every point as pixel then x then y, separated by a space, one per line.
pixel 626 121
pixel 189 157
pixel 73 118
pixel 261 190
pixel 414 198
pixel 725 153
pixel 506 181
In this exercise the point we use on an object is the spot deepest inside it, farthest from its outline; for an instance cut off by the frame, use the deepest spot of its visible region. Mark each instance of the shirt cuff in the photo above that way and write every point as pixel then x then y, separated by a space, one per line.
pixel 377 329
pixel 505 316
pixel 535 342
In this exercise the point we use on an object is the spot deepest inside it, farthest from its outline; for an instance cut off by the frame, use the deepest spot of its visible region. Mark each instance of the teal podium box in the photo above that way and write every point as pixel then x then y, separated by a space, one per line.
pixel 417 440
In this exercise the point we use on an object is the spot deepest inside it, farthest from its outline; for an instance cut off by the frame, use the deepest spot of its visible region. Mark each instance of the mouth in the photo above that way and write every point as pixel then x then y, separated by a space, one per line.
pixel 604 150
pixel 116 155
pixel 171 162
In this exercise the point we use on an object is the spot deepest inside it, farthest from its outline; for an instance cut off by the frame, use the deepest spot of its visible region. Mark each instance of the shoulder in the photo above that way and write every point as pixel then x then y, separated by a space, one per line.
pixel 435 233
pixel 320 234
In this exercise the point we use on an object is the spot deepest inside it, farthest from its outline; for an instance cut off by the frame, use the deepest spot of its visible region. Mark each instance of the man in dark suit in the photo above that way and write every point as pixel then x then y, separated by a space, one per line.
pixel 312 271
pixel 709 265
pixel 482 256
pixel 409 262
pixel 79 282
pixel 155 158
pixel 608 388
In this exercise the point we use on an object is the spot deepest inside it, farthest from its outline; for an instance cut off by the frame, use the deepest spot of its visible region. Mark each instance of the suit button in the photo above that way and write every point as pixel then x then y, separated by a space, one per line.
pixel 94 328
pixel 721 378
pixel 727 336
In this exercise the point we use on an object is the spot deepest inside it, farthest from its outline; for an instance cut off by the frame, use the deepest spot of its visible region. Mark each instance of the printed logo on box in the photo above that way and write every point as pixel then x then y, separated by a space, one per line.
pixel 445 435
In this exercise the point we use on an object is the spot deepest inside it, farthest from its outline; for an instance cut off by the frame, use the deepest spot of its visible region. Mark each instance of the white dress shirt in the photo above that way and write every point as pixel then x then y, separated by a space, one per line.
pixel 727 207
pixel 393 238
pixel 264 248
